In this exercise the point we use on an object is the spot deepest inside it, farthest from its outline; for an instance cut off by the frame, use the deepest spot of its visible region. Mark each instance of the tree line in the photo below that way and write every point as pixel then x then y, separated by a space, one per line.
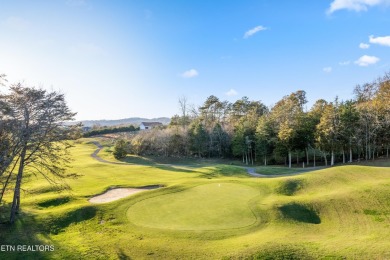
pixel 110 130
pixel 33 138
pixel 287 132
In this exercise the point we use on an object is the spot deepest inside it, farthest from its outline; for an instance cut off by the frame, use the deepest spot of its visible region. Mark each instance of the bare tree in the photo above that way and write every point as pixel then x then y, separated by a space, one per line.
pixel 183 104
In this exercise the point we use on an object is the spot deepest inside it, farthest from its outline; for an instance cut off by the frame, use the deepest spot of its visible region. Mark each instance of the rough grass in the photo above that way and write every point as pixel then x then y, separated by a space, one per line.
pixel 333 213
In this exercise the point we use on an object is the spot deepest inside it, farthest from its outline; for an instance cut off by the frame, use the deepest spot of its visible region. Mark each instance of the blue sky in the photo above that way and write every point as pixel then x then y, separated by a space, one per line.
pixel 117 59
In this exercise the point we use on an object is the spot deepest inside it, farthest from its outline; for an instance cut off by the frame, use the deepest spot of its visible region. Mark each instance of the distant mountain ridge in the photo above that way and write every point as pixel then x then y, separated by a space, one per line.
pixel 126 121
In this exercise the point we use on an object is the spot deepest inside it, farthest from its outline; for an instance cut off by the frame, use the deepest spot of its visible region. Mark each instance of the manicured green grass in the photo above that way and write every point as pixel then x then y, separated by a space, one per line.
pixel 205 207
pixel 331 213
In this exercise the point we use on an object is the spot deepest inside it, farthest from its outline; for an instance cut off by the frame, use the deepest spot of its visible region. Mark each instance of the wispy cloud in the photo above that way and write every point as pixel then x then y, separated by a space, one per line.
pixel 385 40
pixel 16 23
pixel 364 46
pixel 344 63
pixel 190 73
pixel 327 69
pixel 355 5
pixel 254 30
pixel 366 60
pixel 231 93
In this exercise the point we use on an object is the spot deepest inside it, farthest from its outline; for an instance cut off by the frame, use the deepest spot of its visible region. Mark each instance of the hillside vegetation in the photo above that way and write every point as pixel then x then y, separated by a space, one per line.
pixel 205 210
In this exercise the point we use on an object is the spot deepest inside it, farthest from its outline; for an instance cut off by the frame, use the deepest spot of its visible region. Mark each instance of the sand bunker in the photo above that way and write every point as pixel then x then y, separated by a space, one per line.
pixel 119 193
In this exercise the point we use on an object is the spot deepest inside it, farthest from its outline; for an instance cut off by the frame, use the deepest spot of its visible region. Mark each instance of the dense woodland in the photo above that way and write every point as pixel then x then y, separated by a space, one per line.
pixel 286 133
pixel 109 130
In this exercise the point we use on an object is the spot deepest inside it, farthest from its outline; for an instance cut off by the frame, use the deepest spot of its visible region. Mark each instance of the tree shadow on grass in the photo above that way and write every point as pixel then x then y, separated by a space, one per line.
pixel 54 202
pixel 58 224
pixel 300 213
pixel 122 256
pixel 27 238
pixel 290 187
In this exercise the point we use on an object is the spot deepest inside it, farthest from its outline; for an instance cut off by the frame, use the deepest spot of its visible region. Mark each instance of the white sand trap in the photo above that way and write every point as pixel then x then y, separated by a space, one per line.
pixel 118 193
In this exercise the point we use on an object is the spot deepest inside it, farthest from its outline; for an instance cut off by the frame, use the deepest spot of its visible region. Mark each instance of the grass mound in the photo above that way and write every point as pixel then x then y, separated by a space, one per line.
pixel 205 207
pixel 300 213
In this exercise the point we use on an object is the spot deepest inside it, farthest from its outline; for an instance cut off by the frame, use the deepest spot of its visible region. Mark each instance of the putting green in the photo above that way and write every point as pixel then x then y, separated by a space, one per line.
pixel 206 207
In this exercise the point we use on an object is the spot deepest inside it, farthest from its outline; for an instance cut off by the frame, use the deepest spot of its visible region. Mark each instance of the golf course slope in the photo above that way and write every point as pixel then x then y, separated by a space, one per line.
pixel 204 211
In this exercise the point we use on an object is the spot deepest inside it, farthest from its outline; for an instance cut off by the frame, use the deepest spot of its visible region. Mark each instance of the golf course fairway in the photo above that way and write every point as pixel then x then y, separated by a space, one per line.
pixel 203 210
pixel 205 207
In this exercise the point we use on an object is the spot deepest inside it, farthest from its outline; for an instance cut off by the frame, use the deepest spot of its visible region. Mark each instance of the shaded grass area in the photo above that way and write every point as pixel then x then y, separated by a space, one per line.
pixel 301 213
pixel 58 224
pixel 290 186
pixel 54 202
pixel 332 213
pixel 281 170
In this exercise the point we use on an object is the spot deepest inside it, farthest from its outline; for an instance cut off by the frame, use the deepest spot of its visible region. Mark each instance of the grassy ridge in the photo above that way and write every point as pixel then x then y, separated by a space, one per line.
pixel 329 213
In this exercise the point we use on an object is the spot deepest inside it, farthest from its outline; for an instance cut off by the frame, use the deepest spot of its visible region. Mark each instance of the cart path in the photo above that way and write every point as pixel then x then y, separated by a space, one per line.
pixel 100 159
pixel 250 170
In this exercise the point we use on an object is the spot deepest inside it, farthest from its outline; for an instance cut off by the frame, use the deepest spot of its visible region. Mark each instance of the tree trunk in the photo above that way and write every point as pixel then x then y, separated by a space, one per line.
pixel 307 157
pixel 314 158
pixel 343 156
pixel 325 159
pixel 265 160
pixel 387 152
pixel 252 156
pixel 332 158
pixel 350 154
pixel 289 159
pixel 16 200
pixel 366 143
pixel 298 159
pixel 369 152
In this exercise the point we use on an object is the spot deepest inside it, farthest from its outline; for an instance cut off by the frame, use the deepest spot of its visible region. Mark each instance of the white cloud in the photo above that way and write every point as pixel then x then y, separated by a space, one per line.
pixel 253 31
pixel 364 46
pixel 355 5
pixel 190 73
pixel 327 69
pixel 366 60
pixel 385 40
pixel 344 63
pixel 231 92
pixel 16 23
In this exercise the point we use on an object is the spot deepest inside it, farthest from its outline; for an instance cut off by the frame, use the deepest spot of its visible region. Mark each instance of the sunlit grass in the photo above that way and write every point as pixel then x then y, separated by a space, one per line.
pixel 335 212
